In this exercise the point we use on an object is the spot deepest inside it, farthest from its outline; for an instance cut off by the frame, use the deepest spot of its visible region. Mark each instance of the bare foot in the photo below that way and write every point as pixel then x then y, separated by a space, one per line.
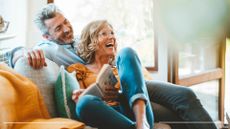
pixel 143 125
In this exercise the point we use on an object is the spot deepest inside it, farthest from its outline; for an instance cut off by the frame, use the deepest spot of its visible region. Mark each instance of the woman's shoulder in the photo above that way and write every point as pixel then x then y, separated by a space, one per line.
pixel 80 69
pixel 77 66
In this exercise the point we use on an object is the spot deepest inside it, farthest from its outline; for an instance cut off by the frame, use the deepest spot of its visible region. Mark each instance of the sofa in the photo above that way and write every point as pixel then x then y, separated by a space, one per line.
pixel 44 80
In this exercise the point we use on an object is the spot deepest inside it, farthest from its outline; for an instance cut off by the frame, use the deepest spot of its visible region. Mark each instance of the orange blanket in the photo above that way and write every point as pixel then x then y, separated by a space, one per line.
pixel 22 107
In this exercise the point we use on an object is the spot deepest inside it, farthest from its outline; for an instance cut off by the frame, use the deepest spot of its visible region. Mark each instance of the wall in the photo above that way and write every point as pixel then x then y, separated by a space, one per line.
pixel 21 13
pixel 33 34
pixel 10 12
pixel 162 73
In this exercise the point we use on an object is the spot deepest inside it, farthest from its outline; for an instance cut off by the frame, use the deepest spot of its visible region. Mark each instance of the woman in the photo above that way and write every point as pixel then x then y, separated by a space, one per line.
pixel 131 109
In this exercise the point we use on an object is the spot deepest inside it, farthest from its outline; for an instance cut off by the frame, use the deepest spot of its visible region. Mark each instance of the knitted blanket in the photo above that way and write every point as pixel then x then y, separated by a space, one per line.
pixel 22 107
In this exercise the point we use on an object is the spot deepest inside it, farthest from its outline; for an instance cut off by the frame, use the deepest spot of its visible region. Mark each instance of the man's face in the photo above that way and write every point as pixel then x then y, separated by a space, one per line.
pixel 60 29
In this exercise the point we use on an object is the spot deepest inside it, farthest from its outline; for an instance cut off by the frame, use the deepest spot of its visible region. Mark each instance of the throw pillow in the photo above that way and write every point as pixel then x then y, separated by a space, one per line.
pixel 44 79
pixel 64 87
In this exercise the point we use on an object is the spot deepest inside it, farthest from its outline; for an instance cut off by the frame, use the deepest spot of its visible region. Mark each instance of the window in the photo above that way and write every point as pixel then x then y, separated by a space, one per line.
pixel 132 20
pixel 198 65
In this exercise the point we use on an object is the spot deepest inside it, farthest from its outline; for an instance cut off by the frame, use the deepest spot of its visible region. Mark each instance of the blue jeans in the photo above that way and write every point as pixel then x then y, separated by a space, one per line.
pixel 183 102
pixel 95 112
pixel 180 101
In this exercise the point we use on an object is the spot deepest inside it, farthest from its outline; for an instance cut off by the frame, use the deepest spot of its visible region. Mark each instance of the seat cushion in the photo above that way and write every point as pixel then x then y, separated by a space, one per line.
pixel 53 123
pixel 161 126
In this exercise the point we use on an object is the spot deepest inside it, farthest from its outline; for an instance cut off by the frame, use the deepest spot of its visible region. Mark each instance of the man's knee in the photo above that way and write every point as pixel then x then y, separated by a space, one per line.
pixel 187 94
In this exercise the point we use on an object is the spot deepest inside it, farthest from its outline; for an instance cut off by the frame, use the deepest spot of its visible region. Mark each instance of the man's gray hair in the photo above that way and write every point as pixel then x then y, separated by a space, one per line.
pixel 47 12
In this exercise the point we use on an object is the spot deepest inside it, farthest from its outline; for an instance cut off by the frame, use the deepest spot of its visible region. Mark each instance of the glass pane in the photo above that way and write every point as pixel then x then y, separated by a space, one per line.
pixel 132 21
pixel 208 94
pixel 198 56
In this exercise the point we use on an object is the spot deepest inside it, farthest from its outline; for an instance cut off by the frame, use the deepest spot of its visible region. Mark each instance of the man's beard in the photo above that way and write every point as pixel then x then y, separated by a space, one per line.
pixel 63 43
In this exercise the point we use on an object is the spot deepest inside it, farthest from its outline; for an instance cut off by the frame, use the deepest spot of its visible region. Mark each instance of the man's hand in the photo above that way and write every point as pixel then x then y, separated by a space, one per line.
pixel 110 93
pixel 76 94
pixel 36 58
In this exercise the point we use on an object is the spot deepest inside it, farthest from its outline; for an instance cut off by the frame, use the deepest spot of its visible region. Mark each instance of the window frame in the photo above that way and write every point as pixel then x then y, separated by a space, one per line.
pixel 208 75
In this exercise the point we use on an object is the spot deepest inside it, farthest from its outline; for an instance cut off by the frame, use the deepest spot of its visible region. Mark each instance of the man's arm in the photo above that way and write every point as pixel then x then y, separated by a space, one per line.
pixel 4 57
pixel 36 58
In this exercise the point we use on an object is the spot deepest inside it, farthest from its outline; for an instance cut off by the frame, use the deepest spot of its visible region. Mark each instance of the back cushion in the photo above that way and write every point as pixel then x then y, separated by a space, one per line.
pixel 44 78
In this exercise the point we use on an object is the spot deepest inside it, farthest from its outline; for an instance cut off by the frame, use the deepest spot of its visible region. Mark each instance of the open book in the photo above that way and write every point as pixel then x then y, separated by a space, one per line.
pixel 105 78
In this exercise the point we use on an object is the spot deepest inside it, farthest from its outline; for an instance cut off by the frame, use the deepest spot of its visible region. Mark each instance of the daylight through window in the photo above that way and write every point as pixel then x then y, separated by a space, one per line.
pixel 132 21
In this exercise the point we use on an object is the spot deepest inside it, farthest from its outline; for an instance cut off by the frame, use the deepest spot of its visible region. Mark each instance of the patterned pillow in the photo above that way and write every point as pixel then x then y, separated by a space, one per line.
pixel 65 84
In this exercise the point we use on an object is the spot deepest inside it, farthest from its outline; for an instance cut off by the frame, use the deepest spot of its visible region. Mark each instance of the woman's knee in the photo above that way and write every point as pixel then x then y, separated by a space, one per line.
pixel 85 103
pixel 127 53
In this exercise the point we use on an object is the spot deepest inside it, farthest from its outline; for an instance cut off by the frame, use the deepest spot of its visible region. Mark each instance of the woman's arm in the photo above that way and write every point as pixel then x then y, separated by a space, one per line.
pixel 76 93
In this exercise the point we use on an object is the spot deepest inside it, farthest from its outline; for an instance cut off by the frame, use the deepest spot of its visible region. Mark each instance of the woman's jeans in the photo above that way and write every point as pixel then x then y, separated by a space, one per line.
pixel 94 112
pixel 180 100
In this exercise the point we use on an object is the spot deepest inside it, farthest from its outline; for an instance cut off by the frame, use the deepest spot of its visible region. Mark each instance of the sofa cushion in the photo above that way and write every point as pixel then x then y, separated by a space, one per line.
pixel 64 86
pixel 161 126
pixel 44 79
pixel 54 123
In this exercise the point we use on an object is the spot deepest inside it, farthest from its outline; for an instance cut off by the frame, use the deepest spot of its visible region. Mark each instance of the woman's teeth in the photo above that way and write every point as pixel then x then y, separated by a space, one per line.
pixel 109 45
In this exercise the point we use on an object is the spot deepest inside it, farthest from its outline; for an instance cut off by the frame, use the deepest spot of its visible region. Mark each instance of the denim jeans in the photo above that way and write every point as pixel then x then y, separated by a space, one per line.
pixel 95 112
pixel 183 102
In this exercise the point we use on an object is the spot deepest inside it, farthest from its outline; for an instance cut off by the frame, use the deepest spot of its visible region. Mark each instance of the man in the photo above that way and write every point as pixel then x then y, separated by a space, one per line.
pixel 59 47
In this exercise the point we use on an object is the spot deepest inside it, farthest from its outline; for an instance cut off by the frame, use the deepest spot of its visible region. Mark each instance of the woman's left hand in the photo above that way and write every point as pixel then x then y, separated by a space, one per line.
pixel 76 94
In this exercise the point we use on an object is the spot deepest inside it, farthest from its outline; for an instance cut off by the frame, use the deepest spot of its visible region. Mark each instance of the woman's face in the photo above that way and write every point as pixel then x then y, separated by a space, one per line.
pixel 106 42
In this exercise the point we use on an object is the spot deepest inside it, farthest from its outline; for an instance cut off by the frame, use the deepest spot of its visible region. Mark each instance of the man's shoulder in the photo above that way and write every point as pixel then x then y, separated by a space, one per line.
pixel 46 43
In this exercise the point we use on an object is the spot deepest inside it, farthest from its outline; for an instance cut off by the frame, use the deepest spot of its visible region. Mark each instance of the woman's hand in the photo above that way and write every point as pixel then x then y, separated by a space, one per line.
pixel 110 93
pixel 76 94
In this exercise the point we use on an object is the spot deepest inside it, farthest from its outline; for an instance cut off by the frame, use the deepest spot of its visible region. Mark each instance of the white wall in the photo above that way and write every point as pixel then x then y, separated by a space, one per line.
pixel 33 34
pixel 162 73
pixel 11 12
pixel 21 13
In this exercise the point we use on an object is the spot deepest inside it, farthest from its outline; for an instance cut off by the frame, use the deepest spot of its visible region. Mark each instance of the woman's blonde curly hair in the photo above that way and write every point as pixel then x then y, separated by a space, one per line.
pixel 89 40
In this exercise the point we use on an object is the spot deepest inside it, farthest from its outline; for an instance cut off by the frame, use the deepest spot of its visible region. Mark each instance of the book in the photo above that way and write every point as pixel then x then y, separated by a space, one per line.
pixel 105 78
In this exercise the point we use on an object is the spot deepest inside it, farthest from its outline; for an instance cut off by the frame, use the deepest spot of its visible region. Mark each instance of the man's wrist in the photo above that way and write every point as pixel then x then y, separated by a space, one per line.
pixel 16 53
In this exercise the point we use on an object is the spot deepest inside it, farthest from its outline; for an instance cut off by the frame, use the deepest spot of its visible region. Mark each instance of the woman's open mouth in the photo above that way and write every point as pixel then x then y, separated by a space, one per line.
pixel 109 45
